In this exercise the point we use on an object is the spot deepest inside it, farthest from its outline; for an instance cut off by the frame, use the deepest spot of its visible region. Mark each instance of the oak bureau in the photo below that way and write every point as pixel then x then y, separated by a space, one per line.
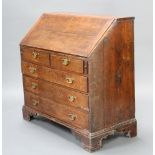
pixel 78 71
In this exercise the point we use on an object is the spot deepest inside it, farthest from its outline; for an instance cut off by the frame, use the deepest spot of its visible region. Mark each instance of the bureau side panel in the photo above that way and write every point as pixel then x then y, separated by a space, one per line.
pixel 111 77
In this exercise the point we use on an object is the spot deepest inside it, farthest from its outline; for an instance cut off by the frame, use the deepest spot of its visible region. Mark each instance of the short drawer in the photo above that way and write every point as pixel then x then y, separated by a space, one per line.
pixel 56 93
pixel 70 80
pixel 70 115
pixel 67 63
pixel 35 55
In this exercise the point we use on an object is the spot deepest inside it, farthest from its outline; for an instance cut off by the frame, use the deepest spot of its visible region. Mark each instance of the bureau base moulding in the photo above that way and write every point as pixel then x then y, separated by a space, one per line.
pixel 89 141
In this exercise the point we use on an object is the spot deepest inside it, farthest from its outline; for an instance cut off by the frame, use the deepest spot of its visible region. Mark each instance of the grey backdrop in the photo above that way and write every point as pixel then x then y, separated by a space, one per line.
pixel 44 137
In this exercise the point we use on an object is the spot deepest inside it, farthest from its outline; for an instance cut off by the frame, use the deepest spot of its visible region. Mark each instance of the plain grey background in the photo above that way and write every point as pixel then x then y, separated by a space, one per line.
pixel 44 137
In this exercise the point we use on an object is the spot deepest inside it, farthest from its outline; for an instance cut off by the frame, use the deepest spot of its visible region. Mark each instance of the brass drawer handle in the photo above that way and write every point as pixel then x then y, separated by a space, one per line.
pixel 32 70
pixel 35 55
pixel 65 61
pixel 35 102
pixel 71 98
pixel 72 117
pixel 69 80
pixel 34 85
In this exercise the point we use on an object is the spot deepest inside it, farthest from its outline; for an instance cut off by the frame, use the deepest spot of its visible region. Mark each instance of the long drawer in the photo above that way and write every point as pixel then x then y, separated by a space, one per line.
pixel 56 76
pixel 71 115
pixel 56 93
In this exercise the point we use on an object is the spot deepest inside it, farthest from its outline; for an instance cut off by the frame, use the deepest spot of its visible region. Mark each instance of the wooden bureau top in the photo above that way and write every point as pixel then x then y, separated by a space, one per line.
pixel 67 33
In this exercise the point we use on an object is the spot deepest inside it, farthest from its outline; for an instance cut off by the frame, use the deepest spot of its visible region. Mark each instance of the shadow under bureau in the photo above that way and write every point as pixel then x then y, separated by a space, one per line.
pixel 78 71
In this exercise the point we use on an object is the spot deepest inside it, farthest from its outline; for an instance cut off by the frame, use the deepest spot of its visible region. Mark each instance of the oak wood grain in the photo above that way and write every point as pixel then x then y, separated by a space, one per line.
pixel 56 93
pixel 55 76
pixel 76 35
pixel 111 97
pixel 59 111
pixel 74 64
pixel 35 56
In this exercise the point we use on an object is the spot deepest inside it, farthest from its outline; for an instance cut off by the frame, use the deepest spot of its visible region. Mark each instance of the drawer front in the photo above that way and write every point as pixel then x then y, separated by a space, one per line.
pixel 56 93
pixel 67 63
pixel 67 114
pixel 60 77
pixel 35 55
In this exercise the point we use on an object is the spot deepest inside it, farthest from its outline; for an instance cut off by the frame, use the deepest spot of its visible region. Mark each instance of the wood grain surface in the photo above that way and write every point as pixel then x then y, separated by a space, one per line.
pixel 56 93
pixel 56 76
pixel 72 34
pixel 59 111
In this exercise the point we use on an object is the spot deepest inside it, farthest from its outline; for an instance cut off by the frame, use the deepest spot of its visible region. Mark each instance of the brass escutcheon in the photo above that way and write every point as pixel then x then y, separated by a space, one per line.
pixel 35 54
pixel 32 70
pixel 35 102
pixel 71 98
pixel 72 117
pixel 65 61
pixel 34 85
